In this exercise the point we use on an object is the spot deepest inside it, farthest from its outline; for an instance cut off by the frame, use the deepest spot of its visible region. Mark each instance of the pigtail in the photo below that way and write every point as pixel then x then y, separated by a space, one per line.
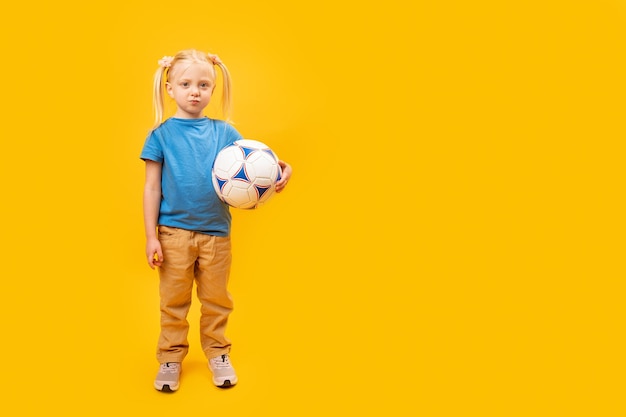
pixel 157 96
pixel 226 90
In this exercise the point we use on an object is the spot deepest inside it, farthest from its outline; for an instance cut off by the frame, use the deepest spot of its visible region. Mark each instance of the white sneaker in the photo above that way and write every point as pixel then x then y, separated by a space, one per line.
pixel 223 373
pixel 168 377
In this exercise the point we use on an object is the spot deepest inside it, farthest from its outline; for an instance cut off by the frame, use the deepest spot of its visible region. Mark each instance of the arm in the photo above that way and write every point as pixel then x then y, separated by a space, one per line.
pixel 286 174
pixel 151 204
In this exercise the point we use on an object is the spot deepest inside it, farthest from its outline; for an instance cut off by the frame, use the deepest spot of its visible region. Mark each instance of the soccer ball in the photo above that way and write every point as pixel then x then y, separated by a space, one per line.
pixel 245 174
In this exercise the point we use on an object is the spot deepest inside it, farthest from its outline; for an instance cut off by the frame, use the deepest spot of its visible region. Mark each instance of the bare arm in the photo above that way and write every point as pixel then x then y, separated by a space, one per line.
pixel 151 204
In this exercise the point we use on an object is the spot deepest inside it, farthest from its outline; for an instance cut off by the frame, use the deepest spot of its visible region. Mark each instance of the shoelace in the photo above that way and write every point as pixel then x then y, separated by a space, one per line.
pixel 169 367
pixel 224 363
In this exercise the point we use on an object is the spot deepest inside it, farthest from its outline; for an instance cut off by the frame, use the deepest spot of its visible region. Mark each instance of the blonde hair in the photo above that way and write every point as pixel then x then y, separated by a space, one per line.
pixel 190 56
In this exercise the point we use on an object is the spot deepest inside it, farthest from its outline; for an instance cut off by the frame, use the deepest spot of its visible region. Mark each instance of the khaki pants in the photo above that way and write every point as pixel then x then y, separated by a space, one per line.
pixel 187 257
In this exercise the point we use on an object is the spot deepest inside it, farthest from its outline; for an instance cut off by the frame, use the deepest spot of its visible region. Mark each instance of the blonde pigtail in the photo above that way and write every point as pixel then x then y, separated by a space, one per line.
pixel 157 96
pixel 226 90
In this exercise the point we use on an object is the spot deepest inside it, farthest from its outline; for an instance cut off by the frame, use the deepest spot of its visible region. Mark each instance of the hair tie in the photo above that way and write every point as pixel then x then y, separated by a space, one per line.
pixel 166 61
pixel 214 59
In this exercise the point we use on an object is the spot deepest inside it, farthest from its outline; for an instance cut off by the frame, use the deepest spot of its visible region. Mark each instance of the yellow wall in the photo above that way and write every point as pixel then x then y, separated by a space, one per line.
pixel 451 243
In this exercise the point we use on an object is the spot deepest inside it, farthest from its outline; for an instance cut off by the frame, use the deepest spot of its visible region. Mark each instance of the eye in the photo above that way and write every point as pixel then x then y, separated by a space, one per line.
pixel 184 84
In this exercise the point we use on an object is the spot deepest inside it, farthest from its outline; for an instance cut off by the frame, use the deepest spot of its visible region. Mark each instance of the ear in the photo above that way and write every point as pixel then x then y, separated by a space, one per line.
pixel 168 88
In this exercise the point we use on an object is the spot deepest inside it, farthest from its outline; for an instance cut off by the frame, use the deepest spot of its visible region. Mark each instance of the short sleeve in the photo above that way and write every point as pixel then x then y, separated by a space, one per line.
pixel 230 134
pixel 152 148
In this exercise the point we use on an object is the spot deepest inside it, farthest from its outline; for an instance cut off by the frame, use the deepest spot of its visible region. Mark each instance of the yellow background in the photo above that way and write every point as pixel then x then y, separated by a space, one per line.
pixel 451 243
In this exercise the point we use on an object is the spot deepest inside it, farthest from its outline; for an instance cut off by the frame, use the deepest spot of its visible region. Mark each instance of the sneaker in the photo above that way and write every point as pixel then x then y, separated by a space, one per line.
pixel 167 378
pixel 223 373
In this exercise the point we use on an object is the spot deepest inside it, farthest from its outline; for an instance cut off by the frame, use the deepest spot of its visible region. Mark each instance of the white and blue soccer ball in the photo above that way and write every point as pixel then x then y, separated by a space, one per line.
pixel 245 174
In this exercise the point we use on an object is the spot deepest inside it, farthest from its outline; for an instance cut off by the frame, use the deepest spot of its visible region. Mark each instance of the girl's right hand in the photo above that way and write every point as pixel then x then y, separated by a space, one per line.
pixel 154 253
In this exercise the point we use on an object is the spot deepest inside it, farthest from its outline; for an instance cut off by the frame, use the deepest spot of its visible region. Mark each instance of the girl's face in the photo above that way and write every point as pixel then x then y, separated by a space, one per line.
pixel 191 87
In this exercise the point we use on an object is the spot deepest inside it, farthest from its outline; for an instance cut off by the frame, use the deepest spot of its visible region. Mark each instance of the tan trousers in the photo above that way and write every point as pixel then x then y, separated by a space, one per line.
pixel 187 257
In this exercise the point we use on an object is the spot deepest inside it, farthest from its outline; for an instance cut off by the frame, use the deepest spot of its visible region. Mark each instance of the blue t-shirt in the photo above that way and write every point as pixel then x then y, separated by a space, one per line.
pixel 186 148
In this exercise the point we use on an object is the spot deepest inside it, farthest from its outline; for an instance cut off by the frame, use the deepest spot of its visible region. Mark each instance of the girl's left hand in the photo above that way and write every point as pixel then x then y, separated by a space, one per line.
pixel 285 175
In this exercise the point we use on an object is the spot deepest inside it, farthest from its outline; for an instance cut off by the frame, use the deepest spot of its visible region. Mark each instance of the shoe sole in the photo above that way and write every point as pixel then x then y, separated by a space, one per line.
pixel 166 388
pixel 225 383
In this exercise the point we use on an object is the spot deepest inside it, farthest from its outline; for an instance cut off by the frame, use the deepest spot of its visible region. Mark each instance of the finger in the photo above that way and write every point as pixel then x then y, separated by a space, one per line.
pixel 155 260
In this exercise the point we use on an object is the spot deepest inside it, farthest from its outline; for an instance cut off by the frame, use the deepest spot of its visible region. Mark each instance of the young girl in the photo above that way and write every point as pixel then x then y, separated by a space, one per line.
pixel 187 226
